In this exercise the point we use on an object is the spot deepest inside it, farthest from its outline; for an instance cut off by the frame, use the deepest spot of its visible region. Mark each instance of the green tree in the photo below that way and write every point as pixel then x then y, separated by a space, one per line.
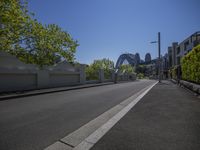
pixel 13 19
pixel 127 68
pixel 46 44
pixel 93 69
pixel 31 41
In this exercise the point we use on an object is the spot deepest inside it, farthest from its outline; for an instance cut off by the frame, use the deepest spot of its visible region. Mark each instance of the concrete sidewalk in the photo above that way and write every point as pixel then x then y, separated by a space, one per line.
pixel 167 118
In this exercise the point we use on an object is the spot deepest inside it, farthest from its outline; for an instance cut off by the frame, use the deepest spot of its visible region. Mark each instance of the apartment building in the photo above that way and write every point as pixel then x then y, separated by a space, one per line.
pixel 187 45
pixel 170 56
pixel 174 52
pixel 177 51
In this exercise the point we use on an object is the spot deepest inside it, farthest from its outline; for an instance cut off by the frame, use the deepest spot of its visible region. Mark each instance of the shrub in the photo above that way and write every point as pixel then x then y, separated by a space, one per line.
pixel 191 65
pixel 140 76
pixel 174 72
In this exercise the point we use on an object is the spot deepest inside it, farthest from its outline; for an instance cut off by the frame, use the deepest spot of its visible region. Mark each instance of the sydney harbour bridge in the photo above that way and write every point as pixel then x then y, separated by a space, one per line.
pixel 133 59
pixel 129 57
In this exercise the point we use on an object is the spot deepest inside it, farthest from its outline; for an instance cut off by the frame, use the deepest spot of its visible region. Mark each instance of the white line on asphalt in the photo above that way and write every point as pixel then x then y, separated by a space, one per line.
pixel 86 136
pixel 100 132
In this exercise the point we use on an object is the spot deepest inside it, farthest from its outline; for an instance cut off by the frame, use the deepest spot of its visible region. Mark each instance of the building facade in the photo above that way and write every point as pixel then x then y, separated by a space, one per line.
pixel 174 49
pixel 187 45
pixel 177 51
pixel 170 56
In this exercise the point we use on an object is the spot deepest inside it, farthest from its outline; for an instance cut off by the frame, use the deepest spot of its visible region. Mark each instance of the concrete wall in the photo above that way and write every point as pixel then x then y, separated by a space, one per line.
pixel 18 80
pixel 12 81
pixel 18 76
pixel 63 79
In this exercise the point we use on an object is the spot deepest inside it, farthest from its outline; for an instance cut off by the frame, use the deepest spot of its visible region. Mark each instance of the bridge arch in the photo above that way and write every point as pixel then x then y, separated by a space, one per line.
pixel 129 57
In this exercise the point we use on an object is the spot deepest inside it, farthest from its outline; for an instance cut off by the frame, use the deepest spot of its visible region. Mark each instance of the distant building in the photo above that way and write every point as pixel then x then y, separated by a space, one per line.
pixel 147 58
pixel 165 62
pixel 170 56
pixel 165 66
pixel 174 47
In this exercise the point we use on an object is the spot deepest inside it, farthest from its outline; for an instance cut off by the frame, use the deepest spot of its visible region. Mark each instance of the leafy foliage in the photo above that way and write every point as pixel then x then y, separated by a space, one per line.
pixel 141 69
pixel 93 69
pixel 29 40
pixel 13 18
pixel 174 72
pixel 126 69
pixel 140 76
pixel 191 65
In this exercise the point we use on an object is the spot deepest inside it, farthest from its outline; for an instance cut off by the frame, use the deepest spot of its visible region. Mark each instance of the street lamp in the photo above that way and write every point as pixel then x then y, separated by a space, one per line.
pixel 159 69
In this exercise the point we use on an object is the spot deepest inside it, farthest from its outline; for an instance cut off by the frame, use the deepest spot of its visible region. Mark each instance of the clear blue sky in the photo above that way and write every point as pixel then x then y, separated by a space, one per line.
pixel 108 28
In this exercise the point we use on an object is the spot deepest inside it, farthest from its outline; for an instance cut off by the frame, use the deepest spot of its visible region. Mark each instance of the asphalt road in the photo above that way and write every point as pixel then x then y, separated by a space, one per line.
pixel 167 118
pixel 33 123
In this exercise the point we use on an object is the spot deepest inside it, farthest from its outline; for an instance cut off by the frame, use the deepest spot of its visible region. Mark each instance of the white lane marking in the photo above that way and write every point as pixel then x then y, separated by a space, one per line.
pixel 101 125
pixel 100 132
pixel 58 146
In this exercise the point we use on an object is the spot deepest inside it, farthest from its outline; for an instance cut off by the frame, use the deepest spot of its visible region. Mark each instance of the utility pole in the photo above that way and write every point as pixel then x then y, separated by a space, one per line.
pixel 159 60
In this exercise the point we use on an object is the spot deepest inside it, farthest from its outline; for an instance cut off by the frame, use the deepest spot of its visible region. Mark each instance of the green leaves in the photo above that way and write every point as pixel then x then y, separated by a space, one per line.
pixel 93 69
pixel 126 68
pixel 29 40
pixel 190 65
pixel 140 76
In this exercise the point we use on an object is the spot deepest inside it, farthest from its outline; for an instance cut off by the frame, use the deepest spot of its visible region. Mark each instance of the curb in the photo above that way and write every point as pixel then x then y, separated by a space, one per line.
pixel 32 93
pixel 173 81
pixel 191 86
pixel 194 88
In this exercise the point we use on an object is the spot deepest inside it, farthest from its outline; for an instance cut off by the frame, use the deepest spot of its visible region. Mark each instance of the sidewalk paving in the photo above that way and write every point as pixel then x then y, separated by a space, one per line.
pixel 167 118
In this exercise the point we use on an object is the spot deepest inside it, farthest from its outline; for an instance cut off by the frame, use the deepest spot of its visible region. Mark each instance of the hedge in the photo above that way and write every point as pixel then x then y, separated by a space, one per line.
pixel 190 64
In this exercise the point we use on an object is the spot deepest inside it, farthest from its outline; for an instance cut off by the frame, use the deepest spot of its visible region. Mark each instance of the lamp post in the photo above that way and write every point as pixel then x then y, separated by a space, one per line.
pixel 159 61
